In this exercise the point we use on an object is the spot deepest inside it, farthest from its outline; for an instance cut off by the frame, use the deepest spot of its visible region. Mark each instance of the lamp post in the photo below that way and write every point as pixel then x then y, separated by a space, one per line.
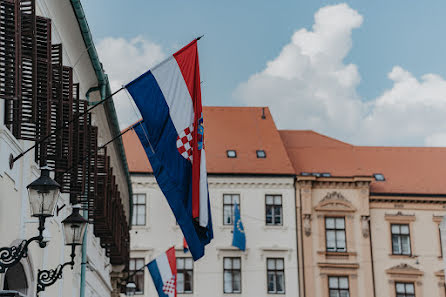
pixel 130 289
pixel 74 228
pixel 43 194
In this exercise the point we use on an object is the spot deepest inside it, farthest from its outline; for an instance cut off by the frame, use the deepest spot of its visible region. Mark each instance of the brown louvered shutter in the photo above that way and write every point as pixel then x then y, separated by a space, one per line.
pixel 79 148
pixel 20 117
pixel 90 190
pixel 9 49
pixel 102 165
pixel 43 109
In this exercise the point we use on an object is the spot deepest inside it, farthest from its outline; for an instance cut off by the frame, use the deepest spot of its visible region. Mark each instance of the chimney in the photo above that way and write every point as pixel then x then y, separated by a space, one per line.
pixel 263 113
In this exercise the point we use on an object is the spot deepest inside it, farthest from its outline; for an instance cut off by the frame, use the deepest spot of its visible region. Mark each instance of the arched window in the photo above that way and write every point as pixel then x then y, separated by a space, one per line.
pixel 15 279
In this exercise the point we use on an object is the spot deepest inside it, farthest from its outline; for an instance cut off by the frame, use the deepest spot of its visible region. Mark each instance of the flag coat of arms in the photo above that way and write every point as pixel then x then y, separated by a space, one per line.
pixel 164 273
pixel 238 234
pixel 172 134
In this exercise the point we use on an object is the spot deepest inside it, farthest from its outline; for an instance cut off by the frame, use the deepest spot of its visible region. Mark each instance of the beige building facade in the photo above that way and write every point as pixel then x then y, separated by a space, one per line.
pixel 368 218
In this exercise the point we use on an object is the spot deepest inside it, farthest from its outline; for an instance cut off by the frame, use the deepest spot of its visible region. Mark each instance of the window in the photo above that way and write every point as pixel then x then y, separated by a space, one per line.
pixel 136 268
pixel 231 154
pixel 273 209
pixel 379 177
pixel 405 290
pixel 139 210
pixel 338 286
pixel 335 234
pixel 400 239
pixel 261 154
pixel 185 275
pixel 228 207
pixel 232 275
pixel 275 275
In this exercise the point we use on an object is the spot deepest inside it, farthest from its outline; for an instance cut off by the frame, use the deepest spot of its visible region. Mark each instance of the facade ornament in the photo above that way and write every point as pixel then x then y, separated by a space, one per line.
pixel 365 226
pixel 334 196
pixel 307 224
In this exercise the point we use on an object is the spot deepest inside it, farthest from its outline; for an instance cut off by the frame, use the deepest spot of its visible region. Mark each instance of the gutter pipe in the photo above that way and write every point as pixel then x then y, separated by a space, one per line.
pixel 104 88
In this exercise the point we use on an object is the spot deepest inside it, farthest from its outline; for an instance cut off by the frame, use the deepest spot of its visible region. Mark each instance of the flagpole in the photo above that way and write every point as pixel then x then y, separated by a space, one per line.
pixel 14 159
pixel 100 148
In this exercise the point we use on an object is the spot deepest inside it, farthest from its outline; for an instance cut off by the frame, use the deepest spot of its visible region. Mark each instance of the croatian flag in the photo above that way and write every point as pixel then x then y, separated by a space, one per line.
pixel 169 99
pixel 164 273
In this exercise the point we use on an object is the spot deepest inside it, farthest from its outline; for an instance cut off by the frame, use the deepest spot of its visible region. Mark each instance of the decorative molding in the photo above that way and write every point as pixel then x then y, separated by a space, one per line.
pixel 335 201
pixel 250 184
pixel 399 217
pixel 341 184
pixel 230 250
pixel 437 219
pixel 338 265
pixel 275 249
pixel 404 269
pixel 365 227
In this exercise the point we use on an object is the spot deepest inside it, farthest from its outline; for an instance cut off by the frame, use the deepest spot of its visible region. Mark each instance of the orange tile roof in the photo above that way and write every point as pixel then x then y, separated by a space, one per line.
pixel 410 170
pixel 229 128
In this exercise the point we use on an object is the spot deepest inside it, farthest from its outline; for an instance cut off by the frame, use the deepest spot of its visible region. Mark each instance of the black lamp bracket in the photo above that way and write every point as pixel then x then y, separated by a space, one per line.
pixel 46 278
pixel 10 256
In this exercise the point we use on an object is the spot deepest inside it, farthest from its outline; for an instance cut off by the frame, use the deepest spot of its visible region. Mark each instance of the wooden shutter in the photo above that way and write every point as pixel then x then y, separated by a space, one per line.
pixel 9 49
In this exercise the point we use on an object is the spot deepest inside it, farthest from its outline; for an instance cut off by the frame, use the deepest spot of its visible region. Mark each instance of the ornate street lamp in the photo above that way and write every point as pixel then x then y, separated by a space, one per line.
pixel 130 289
pixel 43 194
pixel 74 229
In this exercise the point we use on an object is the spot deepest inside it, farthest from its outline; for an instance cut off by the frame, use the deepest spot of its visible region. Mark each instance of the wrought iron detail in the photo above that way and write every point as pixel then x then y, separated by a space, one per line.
pixel 10 256
pixel 46 278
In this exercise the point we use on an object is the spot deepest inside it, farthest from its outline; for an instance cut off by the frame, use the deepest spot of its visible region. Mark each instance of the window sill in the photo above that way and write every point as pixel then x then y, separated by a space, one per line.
pixel 338 254
pixel 275 227
pixel 226 227
pixel 402 256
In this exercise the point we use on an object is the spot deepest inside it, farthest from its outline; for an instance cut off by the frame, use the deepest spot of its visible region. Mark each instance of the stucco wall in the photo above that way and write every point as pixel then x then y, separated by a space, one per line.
pixel 263 241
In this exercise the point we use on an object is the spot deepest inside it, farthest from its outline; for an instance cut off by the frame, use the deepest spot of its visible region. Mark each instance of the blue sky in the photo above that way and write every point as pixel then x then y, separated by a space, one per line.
pixel 241 37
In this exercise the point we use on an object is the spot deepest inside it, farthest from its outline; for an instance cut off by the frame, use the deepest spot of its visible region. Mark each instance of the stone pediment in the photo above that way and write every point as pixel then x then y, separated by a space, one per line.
pixel 335 201
pixel 404 269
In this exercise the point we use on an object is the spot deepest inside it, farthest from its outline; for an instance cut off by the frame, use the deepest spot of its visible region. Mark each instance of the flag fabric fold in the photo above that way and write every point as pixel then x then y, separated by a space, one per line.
pixel 169 99
pixel 238 235
pixel 185 247
pixel 163 270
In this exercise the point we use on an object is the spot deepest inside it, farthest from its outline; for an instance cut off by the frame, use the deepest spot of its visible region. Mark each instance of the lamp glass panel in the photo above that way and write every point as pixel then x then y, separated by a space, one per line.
pixel 43 202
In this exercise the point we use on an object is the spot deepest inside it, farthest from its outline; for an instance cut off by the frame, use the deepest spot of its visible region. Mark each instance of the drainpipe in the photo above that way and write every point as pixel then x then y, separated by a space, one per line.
pixel 297 235
pixel 84 258
pixel 302 242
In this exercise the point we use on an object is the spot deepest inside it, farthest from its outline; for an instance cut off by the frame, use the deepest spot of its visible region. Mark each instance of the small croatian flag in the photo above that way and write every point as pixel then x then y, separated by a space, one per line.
pixel 164 271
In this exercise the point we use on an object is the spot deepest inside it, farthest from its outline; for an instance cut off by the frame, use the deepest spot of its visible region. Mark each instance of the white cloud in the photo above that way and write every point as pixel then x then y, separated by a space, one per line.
pixel 309 86
pixel 123 61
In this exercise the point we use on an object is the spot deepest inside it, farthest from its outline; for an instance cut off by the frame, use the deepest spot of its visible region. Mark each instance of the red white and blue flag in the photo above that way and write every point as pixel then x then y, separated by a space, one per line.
pixel 172 134
pixel 164 273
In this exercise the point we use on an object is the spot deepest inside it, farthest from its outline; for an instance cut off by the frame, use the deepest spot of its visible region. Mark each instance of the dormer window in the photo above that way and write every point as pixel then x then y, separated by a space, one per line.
pixel 379 177
pixel 231 154
pixel 261 154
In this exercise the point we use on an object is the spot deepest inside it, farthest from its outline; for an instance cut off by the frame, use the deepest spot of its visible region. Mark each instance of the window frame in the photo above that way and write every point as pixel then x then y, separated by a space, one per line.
pixel 184 259
pixel 337 250
pixel 274 206
pixel 405 294
pixel 231 207
pixel 338 289
pixel 137 271
pixel 232 270
pixel 231 151
pixel 400 236
pixel 135 209
pixel 275 270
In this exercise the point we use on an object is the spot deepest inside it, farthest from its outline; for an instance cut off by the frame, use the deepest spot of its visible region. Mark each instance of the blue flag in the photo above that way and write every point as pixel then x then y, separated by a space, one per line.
pixel 238 239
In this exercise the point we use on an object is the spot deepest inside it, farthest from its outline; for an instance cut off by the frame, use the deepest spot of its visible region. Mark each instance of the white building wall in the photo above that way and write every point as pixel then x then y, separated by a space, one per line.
pixel 15 221
pixel 161 232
